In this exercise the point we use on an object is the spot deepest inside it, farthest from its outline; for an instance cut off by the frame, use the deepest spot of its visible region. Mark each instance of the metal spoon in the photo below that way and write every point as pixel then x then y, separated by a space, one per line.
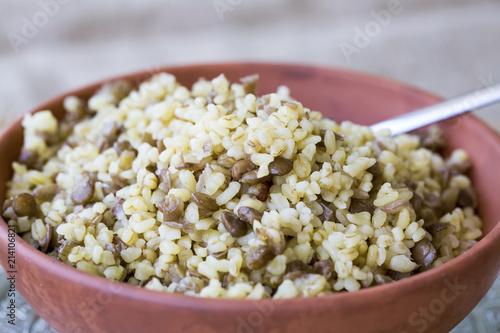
pixel 444 110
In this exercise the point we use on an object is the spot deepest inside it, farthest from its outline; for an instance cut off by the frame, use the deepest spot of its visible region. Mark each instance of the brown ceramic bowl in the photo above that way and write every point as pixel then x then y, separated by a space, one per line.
pixel 434 301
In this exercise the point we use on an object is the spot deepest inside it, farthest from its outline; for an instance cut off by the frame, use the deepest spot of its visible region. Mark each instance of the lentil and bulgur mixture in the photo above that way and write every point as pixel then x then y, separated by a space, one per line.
pixel 216 192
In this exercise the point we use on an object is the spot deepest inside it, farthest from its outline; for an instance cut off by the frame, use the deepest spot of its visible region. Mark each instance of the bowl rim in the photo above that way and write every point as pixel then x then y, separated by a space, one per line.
pixel 406 285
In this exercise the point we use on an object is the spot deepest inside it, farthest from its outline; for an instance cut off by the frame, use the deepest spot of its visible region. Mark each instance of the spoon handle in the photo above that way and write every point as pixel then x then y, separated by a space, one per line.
pixel 437 112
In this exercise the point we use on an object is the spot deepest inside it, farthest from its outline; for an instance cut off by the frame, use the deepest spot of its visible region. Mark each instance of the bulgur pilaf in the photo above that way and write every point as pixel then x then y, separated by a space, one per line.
pixel 216 192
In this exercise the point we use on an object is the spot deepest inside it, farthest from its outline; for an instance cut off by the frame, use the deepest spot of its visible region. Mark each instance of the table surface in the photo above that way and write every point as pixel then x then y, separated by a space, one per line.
pixel 447 47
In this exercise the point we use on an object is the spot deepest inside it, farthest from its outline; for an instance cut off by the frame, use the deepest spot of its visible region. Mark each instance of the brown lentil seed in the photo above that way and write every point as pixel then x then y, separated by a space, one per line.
pixel 91 175
pixel 377 175
pixel 194 273
pixel 328 213
pixel 325 268
pixel 395 206
pixel 429 215
pixel 436 227
pixel 193 284
pixel 148 138
pixel 449 199
pixel 432 138
pixel 122 146
pixel 24 205
pixel 396 276
pixel 119 181
pixel 110 129
pixel 172 208
pixel 164 181
pixel 241 167
pixel 175 273
pixel 205 201
pixel 116 247
pixel 181 224
pixel 190 166
pixel 250 83
pixel 458 168
pixel 382 279
pixel 467 198
pixel 204 213
pixel 112 248
pixel 432 199
pixel 28 158
pixel 252 179
pixel 54 242
pixel 424 253
pixel 258 257
pixel 445 176
pixel 259 191
pixel 226 161
pixel 117 209
pixel 280 166
pixel 83 193
pixel 151 168
pixel 45 192
pixel 65 249
pixel 249 214
pixel 97 219
pixel 417 202
pixel 296 269
pixel 298 265
pixel 161 146
pixel 269 109
pixel 226 280
pixel 233 224
pixel 218 254
pixel 277 243
pixel 359 194
pixel 109 188
pixel 358 206
pixel 294 275
pixel 45 242
pixel 465 245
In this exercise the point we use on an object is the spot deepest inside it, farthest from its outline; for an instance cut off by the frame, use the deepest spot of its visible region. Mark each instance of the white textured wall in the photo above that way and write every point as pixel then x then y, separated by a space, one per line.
pixel 444 46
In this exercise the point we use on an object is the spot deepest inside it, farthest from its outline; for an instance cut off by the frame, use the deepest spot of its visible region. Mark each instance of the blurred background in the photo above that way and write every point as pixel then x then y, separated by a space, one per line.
pixel 448 47
pixel 50 46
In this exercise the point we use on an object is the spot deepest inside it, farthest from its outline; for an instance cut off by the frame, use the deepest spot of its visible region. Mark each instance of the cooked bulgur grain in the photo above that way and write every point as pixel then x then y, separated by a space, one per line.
pixel 216 192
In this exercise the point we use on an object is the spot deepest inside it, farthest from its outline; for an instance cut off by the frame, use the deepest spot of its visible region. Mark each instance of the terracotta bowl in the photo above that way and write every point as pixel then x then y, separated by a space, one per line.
pixel 434 301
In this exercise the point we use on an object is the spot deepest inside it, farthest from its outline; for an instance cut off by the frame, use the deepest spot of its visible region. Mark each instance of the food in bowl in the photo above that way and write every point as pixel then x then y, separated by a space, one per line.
pixel 216 192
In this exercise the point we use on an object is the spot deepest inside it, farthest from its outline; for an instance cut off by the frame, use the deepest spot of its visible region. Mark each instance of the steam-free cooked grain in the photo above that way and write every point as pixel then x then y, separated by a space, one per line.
pixel 218 192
